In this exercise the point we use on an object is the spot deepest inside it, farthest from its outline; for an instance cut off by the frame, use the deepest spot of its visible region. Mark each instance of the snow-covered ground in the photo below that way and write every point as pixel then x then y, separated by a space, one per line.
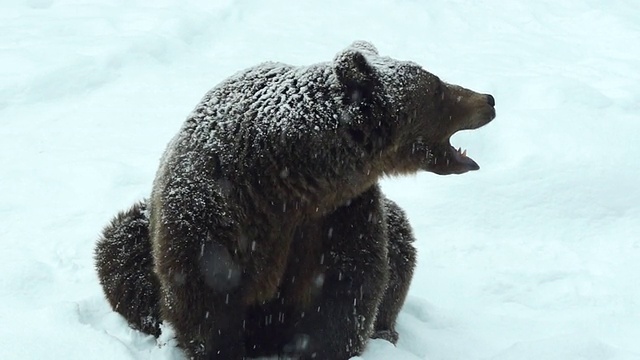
pixel 535 256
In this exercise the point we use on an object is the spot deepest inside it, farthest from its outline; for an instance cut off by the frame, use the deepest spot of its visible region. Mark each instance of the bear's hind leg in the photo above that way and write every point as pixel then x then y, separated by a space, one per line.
pixel 125 269
pixel 402 261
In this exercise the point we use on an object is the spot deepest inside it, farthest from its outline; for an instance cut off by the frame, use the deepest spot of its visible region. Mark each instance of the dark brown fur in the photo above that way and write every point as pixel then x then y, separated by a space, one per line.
pixel 268 231
pixel 125 269
pixel 124 264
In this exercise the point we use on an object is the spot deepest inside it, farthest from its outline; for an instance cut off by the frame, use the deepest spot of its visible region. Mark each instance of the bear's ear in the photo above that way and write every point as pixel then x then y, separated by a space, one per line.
pixel 353 70
pixel 365 46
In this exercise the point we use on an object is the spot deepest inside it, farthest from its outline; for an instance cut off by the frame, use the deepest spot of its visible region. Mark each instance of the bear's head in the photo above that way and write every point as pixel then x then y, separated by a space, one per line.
pixel 412 114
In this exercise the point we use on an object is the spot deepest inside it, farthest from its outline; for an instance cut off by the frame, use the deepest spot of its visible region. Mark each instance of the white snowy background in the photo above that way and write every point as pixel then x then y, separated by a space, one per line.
pixel 535 256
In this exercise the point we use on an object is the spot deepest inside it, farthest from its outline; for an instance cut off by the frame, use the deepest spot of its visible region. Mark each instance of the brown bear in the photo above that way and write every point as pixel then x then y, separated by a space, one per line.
pixel 266 232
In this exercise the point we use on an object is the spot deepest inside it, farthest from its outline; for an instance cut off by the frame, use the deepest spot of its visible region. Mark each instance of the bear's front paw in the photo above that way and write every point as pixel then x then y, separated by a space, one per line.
pixel 389 335
pixel 298 345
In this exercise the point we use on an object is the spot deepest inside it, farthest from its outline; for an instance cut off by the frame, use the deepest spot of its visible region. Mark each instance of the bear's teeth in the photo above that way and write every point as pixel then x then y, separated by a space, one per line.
pixel 464 153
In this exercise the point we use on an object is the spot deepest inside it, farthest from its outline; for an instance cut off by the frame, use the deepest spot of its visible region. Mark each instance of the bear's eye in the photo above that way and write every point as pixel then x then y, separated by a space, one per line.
pixel 438 93
pixel 439 88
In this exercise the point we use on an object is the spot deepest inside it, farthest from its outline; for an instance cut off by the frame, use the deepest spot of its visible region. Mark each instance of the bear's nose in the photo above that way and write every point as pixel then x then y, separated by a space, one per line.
pixel 491 100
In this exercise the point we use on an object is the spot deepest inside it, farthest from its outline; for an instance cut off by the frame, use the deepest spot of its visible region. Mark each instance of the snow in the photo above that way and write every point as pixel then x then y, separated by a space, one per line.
pixel 535 256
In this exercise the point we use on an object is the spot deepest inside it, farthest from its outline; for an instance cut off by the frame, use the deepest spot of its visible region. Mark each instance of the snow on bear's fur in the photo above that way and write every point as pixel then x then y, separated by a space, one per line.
pixel 266 232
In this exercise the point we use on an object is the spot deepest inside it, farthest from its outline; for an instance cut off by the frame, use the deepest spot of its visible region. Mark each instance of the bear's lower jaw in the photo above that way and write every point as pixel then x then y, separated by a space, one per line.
pixel 446 160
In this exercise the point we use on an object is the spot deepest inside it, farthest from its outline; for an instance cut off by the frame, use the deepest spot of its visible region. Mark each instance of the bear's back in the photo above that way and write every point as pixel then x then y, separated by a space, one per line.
pixel 270 100
pixel 270 111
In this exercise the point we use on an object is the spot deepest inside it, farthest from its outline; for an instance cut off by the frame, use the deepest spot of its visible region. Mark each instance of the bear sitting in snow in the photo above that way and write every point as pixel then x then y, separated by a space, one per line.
pixel 266 232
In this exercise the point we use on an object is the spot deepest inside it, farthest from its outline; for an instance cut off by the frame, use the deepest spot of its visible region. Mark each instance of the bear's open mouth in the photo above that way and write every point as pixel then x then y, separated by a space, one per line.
pixel 449 160
pixel 444 159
